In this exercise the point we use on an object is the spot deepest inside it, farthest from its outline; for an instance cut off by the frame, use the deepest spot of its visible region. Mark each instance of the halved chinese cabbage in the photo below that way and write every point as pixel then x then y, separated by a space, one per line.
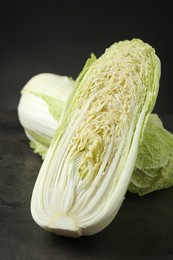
pixel 85 175
pixel 154 165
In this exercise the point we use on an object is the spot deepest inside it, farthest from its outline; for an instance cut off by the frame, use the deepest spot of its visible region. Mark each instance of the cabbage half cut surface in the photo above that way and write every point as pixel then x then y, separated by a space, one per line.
pixel 85 175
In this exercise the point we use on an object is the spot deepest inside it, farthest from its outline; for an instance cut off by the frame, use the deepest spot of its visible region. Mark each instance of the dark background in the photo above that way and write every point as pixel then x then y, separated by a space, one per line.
pixel 58 37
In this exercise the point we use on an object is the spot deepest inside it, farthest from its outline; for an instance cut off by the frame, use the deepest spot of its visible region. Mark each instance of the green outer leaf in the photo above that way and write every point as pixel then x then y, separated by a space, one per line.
pixel 38 148
pixel 154 164
pixel 39 142
pixel 56 107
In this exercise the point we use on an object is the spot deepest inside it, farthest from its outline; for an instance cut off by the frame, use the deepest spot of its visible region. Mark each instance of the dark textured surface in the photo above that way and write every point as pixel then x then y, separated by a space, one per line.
pixel 143 228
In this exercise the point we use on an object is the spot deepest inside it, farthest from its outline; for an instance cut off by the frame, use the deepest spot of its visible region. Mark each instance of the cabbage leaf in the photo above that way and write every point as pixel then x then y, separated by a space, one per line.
pixel 154 165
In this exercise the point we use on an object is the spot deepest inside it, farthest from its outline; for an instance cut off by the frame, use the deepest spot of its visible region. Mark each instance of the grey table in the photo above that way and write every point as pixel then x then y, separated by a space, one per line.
pixel 142 229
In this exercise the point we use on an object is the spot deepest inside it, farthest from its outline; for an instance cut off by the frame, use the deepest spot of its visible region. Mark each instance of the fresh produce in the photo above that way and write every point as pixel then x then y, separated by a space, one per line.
pixel 88 166
pixel 154 165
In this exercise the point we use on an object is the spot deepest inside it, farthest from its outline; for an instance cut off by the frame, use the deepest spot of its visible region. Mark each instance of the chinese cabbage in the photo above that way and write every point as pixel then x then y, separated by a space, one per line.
pixel 85 175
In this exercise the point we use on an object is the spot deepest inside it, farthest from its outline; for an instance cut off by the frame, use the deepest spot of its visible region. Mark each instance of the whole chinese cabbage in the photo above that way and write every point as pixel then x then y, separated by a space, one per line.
pixel 87 169
pixel 41 106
